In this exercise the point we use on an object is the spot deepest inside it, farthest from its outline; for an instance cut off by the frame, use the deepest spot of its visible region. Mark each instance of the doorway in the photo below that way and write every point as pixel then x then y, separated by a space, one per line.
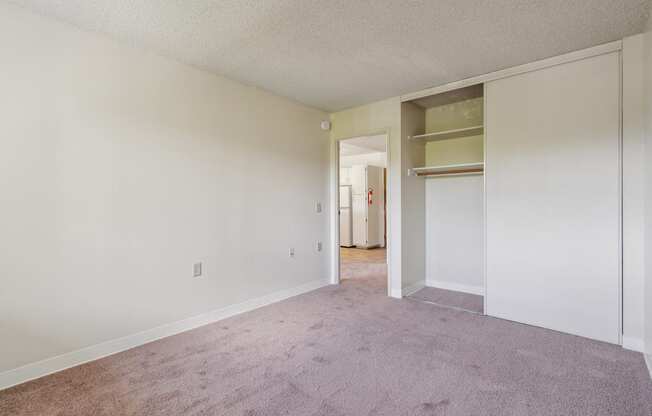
pixel 362 192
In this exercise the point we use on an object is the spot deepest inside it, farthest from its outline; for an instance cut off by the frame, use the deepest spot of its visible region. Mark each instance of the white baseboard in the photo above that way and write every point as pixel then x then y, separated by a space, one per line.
pixel 407 291
pixel 52 365
pixel 634 344
pixel 396 293
pixel 440 284
pixel 648 362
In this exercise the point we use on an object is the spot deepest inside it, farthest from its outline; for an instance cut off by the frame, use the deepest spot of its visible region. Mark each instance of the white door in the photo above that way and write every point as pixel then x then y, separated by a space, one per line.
pixel 553 198
pixel 359 220
pixel 358 178
pixel 345 196
pixel 359 204
pixel 346 231
pixel 345 176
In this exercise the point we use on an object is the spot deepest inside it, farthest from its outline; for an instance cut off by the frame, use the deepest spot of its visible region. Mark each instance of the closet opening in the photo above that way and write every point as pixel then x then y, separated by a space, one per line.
pixel 362 187
pixel 444 137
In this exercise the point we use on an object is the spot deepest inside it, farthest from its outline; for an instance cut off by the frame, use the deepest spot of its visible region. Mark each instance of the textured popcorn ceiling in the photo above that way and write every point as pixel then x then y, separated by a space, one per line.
pixel 337 54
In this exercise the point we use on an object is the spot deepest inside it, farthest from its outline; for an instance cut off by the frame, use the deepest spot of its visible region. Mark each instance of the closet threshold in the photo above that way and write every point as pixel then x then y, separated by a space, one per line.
pixel 449 134
pixel 449 170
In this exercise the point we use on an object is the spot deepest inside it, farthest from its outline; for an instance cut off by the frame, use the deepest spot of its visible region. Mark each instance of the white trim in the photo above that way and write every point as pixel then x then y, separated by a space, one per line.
pixel 621 338
pixel 52 365
pixel 389 214
pixel 633 344
pixel 648 362
pixel 335 212
pixel 516 70
pixel 440 284
pixel 396 293
pixel 407 291
pixel 485 301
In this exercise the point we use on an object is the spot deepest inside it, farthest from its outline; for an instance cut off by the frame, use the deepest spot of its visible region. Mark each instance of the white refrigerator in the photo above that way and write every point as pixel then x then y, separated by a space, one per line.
pixel 346 217
pixel 368 197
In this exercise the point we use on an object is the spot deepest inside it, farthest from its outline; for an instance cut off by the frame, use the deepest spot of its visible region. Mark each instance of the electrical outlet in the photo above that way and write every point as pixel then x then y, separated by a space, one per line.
pixel 318 207
pixel 196 270
pixel 291 252
pixel 318 245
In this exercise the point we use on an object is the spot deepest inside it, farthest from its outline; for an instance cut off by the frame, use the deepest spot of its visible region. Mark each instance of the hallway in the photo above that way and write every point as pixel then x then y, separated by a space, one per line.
pixel 358 263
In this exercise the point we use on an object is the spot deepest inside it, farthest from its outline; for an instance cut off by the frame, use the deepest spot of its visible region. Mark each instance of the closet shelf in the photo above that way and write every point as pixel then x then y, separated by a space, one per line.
pixel 449 170
pixel 449 134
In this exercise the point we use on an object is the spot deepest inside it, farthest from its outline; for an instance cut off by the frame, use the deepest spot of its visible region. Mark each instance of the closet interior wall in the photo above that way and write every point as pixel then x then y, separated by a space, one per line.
pixel 413 201
pixel 448 183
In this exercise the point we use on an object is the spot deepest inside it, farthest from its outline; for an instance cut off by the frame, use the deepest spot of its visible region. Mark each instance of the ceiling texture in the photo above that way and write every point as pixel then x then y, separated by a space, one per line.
pixel 338 54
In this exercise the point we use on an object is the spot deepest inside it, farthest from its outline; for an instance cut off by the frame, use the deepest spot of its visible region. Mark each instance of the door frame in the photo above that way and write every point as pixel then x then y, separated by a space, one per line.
pixel 335 204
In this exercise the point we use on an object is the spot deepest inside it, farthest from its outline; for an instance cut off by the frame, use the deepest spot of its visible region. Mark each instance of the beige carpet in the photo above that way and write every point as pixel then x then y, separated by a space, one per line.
pixel 350 350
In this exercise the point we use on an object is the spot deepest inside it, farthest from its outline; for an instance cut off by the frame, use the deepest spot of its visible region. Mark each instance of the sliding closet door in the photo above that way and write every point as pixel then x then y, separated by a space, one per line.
pixel 553 198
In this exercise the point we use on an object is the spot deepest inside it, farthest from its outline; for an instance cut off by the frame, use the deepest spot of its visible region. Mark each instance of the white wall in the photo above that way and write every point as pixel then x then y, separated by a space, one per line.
pixel 119 169
pixel 633 191
pixel 456 115
pixel 369 159
pixel 455 233
pixel 461 150
pixel 648 198
pixel 414 199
